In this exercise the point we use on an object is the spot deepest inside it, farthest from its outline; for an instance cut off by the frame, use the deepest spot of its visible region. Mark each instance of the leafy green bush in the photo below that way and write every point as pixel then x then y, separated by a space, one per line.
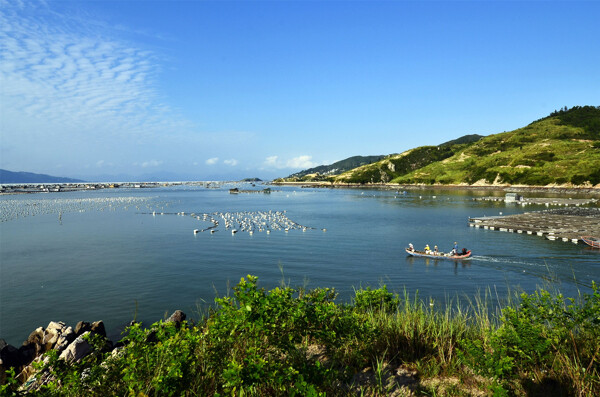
pixel 263 343
pixel 378 299
pixel 541 335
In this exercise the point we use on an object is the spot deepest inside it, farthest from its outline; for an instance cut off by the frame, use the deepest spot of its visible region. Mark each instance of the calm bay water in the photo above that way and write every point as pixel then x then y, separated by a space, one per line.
pixel 103 255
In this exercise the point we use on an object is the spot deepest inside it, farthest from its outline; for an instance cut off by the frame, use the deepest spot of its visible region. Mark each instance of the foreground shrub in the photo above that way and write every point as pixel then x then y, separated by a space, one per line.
pixel 295 342
pixel 546 336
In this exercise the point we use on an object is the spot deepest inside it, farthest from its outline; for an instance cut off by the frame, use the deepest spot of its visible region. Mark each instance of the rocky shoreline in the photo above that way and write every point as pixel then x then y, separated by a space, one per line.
pixel 71 345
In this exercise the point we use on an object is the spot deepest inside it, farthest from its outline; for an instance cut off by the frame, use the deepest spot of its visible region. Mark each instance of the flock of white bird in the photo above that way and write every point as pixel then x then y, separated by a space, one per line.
pixel 247 221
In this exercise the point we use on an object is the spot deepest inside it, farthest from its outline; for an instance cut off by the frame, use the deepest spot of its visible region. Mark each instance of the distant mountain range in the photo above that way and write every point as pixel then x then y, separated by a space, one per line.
pixel 11 177
pixel 8 177
pixel 339 166
pixel 560 149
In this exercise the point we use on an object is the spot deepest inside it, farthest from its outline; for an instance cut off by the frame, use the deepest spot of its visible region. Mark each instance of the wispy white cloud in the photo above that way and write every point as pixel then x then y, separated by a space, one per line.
pixel 302 162
pixel 212 161
pixel 231 162
pixel 68 83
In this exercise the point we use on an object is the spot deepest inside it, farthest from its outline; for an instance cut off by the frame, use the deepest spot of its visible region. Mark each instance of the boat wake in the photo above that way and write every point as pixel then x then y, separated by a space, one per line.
pixel 531 268
pixel 506 260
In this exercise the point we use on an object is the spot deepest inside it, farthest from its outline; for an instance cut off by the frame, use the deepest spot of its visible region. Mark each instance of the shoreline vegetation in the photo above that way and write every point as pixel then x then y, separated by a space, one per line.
pixel 292 341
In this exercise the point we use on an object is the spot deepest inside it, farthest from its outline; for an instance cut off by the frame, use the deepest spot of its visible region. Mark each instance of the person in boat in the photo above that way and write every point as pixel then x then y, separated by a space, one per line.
pixel 464 251
pixel 427 249
pixel 454 249
pixel 435 250
pixel 411 247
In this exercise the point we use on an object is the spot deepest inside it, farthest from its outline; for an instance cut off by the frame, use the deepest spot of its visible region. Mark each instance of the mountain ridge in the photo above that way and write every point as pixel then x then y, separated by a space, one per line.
pixel 562 148
pixel 8 177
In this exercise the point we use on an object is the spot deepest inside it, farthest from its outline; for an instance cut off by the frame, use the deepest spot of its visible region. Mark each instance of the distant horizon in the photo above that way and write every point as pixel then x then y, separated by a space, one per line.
pixel 226 90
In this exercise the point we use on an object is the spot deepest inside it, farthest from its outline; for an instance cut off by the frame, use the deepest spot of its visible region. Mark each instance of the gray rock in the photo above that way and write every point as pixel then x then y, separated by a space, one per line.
pixel 82 327
pixel 65 339
pixel 177 317
pixel 78 349
pixel 35 341
pixel 98 328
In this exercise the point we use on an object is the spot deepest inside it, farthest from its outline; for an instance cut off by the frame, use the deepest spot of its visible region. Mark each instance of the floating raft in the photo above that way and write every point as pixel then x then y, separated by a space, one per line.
pixel 562 224
pixel 559 202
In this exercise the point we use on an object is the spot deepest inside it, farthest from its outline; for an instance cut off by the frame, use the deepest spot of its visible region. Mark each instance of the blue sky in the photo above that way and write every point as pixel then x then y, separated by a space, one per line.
pixel 225 90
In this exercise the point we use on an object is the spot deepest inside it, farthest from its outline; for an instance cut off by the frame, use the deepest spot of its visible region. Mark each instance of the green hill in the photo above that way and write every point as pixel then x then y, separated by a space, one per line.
pixel 563 148
pixel 397 165
pixel 560 149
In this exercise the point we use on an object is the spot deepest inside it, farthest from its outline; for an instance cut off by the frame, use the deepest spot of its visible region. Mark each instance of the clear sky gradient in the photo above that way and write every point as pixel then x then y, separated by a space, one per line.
pixel 225 90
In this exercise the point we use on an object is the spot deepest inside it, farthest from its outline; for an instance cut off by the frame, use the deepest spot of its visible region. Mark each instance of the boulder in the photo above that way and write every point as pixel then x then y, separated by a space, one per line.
pixel 35 343
pixel 78 349
pixel 67 336
pixel 98 328
pixel 27 354
pixel 177 317
pixel 53 332
pixel 82 327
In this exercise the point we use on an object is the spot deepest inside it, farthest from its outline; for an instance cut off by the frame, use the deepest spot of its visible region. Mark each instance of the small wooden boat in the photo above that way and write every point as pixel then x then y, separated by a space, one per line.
pixel 439 255
pixel 591 241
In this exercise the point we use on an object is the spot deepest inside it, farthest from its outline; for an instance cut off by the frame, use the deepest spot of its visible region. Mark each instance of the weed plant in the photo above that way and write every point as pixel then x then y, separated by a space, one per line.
pixel 296 342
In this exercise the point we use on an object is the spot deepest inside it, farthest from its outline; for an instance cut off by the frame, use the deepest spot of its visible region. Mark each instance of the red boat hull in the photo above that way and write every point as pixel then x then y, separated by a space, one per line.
pixel 591 241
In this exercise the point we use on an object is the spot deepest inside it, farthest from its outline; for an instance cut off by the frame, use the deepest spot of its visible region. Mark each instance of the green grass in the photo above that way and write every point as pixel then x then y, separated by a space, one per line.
pixel 545 152
pixel 296 342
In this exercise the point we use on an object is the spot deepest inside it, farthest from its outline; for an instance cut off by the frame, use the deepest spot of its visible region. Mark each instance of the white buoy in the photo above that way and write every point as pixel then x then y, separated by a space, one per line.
pixel 196 231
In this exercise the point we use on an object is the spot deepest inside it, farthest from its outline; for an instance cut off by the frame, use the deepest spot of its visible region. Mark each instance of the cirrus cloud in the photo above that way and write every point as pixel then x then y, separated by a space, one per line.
pixel 66 84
